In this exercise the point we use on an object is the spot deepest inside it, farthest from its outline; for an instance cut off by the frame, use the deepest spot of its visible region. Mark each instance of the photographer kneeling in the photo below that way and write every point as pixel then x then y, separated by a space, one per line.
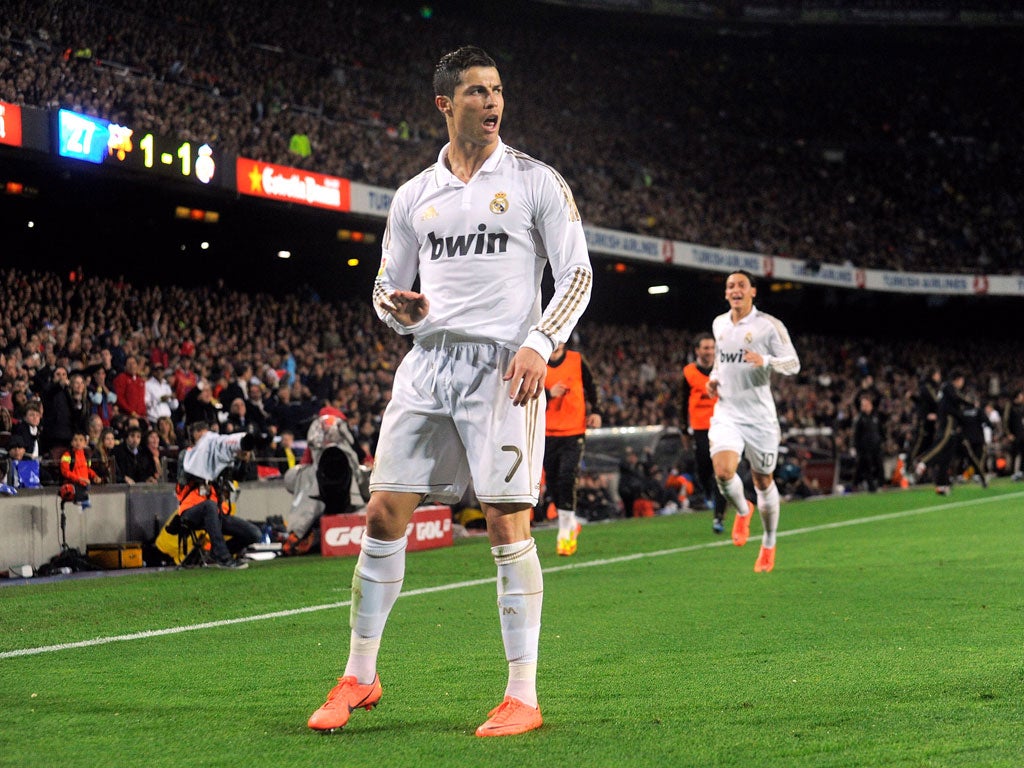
pixel 204 492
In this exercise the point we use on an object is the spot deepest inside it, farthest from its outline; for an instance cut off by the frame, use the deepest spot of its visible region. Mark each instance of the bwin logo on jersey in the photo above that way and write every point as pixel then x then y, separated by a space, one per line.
pixel 731 357
pixel 480 241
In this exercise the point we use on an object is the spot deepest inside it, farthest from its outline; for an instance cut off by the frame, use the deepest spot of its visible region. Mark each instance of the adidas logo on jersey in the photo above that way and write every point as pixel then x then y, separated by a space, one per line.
pixel 480 241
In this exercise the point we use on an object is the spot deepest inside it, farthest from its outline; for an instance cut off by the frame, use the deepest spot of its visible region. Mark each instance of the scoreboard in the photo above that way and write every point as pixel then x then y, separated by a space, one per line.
pixel 99 141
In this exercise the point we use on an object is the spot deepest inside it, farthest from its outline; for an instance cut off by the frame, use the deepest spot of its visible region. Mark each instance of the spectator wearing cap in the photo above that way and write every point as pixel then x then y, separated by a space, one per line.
pixel 160 399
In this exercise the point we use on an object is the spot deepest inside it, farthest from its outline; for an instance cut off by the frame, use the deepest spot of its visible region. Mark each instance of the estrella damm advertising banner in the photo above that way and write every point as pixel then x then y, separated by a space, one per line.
pixel 292 185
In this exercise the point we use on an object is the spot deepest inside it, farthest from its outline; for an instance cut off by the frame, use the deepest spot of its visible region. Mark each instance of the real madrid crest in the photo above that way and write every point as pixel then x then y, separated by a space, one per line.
pixel 499 204
pixel 748 338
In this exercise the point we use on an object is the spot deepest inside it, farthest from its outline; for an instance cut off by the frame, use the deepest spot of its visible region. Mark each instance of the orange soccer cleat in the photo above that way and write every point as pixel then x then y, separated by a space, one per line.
pixel 741 526
pixel 765 560
pixel 345 697
pixel 509 718
pixel 568 546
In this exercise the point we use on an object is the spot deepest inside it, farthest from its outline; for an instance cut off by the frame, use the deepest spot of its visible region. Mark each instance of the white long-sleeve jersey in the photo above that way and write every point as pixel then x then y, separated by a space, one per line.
pixel 744 390
pixel 479 250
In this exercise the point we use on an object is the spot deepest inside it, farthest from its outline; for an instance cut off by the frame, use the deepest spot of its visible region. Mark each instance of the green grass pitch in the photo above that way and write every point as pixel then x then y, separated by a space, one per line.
pixel 890 634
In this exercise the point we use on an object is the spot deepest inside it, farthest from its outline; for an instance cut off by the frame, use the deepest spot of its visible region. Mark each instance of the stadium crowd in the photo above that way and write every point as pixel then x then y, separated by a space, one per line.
pixel 892 151
pixel 259 363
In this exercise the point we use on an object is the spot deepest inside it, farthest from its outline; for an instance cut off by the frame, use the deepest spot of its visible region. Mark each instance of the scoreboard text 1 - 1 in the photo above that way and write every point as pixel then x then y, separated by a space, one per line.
pixel 99 141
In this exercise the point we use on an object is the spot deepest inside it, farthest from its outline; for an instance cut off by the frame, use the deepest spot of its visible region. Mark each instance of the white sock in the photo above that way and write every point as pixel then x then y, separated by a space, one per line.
pixel 566 523
pixel 768 506
pixel 376 583
pixel 732 490
pixel 520 597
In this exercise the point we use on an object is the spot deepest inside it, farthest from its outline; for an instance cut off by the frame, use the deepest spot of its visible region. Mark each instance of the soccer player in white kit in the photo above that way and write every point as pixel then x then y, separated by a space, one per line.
pixel 476 228
pixel 749 345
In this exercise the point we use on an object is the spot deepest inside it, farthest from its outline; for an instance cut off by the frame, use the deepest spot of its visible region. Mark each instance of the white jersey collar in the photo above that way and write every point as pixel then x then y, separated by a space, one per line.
pixel 748 318
pixel 444 177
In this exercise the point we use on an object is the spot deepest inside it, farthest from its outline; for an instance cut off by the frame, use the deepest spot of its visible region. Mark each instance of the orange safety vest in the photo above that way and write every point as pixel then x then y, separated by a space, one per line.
pixel 701 405
pixel 193 493
pixel 566 415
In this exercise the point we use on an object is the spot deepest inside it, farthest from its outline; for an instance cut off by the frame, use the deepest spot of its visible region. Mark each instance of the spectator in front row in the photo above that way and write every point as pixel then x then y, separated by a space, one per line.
pixel 167 433
pixel 153 449
pixel 103 460
pixel 76 471
pixel 134 464
pixel 22 472
pixel 94 433
pixel 29 429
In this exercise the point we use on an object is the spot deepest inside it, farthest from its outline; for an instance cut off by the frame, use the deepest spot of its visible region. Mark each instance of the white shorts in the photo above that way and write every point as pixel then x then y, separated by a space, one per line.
pixel 758 442
pixel 451 420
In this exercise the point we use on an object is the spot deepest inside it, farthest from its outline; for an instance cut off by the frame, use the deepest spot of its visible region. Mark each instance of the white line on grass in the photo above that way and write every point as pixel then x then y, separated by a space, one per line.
pixel 478 582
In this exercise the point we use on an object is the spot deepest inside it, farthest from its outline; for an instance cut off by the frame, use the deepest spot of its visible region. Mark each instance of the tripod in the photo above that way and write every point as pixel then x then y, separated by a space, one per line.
pixel 69 557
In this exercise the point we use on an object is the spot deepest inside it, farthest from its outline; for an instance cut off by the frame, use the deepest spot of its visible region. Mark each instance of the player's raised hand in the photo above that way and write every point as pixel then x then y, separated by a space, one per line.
pixel 407 307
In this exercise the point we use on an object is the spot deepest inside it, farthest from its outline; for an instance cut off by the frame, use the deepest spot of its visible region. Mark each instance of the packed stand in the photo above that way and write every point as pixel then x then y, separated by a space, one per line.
pixel 131 367
pixel 817 144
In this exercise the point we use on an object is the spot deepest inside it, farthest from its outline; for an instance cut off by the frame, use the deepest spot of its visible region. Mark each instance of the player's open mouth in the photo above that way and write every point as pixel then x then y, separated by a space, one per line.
pixel 491 122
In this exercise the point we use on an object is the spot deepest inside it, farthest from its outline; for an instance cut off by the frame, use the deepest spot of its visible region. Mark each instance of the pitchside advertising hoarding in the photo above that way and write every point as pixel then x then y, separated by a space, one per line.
pixel 430 527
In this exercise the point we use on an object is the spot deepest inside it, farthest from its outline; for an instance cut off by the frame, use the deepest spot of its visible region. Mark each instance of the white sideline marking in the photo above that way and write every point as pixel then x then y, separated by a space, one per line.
pixel 478 582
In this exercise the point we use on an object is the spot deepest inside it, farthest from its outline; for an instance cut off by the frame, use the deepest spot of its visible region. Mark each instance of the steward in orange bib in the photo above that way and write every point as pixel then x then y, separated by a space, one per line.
pixel 570 391
pixel 697 409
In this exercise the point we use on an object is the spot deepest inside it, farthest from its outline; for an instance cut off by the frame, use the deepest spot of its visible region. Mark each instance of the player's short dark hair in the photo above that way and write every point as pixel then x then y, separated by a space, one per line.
pixel 748 275
pixel 196 427
pixel 449 69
